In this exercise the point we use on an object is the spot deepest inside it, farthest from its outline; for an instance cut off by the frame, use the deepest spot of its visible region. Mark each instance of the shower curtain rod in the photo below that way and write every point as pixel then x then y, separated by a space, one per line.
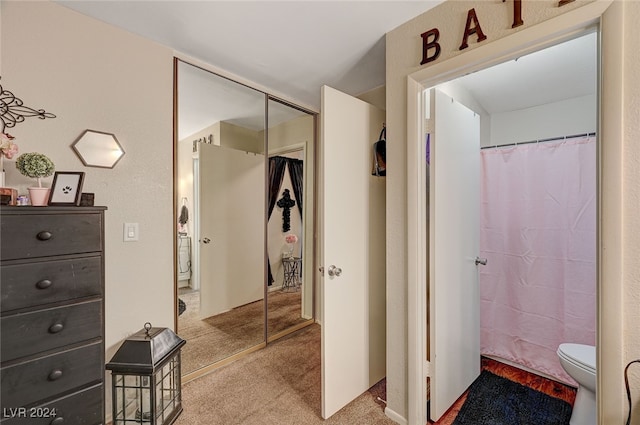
pixel 553 139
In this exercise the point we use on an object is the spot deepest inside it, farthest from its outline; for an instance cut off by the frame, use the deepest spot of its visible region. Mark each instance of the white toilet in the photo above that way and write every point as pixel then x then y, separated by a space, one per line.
pixel 579 361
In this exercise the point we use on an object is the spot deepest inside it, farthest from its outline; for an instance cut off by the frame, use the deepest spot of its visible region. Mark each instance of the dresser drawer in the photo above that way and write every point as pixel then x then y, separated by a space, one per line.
pixel 25 334
pixel 41 235
pixel 42 282
pixel 26 383
pixel 80 408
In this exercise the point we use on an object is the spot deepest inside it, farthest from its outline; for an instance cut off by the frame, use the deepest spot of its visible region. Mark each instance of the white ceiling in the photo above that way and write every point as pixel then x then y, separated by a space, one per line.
pixel 295 47
pixel 560 72
pixel 290 47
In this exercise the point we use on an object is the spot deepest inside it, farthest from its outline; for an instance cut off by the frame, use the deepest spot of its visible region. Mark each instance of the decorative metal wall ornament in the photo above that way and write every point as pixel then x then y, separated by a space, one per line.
pixel 286 203
pixel 13 111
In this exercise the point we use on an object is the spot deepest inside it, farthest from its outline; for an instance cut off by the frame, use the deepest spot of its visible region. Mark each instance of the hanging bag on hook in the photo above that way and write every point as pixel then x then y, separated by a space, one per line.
pixel 380 154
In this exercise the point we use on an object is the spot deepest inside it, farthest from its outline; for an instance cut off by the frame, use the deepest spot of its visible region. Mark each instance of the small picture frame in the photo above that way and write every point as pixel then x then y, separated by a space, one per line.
pixel 66 188
pixel 86 199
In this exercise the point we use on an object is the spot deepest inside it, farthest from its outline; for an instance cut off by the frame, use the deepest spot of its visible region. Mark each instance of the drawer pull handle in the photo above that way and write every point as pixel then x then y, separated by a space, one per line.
pixel 55 375
pixel 57 421
pixel 44 284
pixel 44 235
pixel 55 328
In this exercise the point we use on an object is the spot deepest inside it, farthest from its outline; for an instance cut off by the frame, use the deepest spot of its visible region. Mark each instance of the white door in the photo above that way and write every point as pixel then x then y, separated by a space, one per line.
pixel 353 286
pixel 231 228
pixel 454 301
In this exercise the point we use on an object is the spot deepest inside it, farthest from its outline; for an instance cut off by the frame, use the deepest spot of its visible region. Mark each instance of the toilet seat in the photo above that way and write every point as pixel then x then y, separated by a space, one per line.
pixel 580 355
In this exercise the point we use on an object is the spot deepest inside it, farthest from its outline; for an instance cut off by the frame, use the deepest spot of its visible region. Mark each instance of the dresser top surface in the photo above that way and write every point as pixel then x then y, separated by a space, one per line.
pixel 11 210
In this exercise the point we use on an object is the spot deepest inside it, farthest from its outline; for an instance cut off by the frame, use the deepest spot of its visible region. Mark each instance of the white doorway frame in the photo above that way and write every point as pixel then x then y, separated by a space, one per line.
pixel 609 232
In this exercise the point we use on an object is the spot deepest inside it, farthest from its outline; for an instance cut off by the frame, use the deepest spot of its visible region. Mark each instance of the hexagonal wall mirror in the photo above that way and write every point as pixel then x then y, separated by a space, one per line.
pixel 98 149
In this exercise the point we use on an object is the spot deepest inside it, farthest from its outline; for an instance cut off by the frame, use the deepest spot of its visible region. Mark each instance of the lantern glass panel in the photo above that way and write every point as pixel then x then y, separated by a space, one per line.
pixel 132 399
pixel 168 396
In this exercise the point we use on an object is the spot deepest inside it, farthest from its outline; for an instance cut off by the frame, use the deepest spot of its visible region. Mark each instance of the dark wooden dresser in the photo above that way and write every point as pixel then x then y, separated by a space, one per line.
pixel 52 315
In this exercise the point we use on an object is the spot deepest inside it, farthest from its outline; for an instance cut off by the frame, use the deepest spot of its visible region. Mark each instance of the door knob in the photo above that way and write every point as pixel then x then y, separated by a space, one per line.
pixel 482 261
pixel 334 271
pixel 206 240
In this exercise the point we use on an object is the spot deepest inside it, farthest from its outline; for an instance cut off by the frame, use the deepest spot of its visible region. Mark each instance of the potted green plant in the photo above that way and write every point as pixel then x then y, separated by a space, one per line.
pixel 36 166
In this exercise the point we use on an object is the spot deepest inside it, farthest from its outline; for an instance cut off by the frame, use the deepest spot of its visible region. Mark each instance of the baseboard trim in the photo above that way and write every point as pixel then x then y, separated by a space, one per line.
pixel 395 416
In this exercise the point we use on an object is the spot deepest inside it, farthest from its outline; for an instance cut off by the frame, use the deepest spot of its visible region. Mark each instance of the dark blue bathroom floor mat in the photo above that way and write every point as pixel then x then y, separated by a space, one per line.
pixel 493 400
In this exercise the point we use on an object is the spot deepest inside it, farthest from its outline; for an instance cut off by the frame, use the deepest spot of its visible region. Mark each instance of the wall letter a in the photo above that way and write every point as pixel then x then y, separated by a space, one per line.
pixel 433 44
pixel 468 30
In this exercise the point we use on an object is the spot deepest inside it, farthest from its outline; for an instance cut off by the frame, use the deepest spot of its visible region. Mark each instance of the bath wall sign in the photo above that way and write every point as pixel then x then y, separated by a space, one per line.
pixel 431 48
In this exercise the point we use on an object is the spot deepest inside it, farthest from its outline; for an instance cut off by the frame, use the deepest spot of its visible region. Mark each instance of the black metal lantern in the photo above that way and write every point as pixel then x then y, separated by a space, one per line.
pixel 145 372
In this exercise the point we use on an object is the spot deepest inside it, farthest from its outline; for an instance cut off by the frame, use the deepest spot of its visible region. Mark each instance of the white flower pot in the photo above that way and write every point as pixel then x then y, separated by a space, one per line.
pixel 39 196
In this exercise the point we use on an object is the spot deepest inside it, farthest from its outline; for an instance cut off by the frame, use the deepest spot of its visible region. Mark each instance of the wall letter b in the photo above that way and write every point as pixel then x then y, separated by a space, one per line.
pixel 427 45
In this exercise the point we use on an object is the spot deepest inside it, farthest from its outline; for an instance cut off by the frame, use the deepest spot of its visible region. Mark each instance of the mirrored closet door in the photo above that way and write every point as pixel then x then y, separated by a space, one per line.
pixel 290 224
pixel 234 195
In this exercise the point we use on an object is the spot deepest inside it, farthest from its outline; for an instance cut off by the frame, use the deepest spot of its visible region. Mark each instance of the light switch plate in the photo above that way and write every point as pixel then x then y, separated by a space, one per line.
pixel 131 232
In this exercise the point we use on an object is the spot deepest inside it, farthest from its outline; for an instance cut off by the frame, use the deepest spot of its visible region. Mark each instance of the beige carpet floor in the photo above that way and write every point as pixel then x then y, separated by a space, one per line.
pixel 278 385
pixel 215 338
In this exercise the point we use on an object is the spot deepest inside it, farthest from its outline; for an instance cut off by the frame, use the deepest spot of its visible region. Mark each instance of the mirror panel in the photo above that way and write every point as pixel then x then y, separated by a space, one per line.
pixel 290 225
pixel 228 201
pixel 221 181
pixel 98 149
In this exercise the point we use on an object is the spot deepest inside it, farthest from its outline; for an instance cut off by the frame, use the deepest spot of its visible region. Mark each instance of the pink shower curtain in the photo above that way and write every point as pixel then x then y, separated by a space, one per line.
pixel 538 232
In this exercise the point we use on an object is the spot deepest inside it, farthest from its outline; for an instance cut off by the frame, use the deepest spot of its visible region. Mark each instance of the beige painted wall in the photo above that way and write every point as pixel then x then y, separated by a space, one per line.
pixel 94 76
pixel 620 273
pixel 241 138
pixel 377 97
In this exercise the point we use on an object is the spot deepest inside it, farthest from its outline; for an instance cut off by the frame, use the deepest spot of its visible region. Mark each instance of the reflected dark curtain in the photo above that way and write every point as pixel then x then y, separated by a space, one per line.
pixel 296 174
pixel 276 175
